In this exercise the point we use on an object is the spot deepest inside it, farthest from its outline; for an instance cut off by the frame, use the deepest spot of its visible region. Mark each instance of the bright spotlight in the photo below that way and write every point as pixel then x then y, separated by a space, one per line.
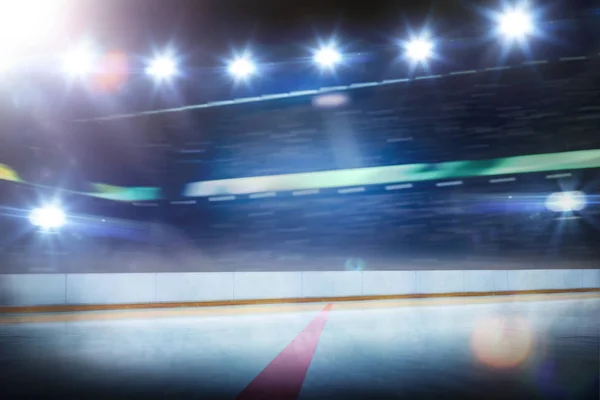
pixel 566 201
pixel 79 61
pixel 26 23
pixel 327 57
pixel 242 67
pixel 162 67
pixel 515 24
pixel 419 49
pixel 47 218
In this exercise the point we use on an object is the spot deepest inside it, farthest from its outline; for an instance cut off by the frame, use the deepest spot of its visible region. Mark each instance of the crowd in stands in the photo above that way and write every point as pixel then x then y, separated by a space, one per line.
pixel 474 225
pixel 531 110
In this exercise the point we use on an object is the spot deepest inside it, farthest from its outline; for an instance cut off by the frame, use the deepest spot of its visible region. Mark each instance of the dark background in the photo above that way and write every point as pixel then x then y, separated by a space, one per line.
pixel 215 25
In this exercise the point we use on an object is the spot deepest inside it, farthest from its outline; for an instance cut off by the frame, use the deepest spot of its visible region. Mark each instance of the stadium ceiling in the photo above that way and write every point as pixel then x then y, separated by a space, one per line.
pixel 131 81
pixel 25 24
pixel 335 90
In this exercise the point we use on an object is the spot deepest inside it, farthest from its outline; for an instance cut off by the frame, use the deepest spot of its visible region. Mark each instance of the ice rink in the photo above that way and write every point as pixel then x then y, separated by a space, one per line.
pixel 513 347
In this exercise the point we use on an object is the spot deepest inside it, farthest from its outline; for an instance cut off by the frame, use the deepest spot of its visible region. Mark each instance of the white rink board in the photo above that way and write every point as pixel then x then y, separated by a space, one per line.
pixel 110 288
pixel 380 283
pixel 485 281
pixel 564 279
pixel 32 290
pixel 130 288
pixel 527 280
pixel 429 282
pixel 591 278
pixel 331 283
pixel 194 287
pixel 267 285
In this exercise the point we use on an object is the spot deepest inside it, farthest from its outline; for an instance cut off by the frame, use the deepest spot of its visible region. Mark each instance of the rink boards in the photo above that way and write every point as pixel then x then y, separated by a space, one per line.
pixel 155 288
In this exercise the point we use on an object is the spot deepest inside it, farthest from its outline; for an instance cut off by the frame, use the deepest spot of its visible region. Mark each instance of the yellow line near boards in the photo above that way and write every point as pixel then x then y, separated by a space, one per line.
pixel 467 300
pixel 339 304
pixel 142 306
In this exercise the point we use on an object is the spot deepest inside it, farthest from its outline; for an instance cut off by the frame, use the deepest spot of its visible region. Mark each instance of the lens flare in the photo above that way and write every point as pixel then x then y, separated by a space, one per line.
pixel 502 342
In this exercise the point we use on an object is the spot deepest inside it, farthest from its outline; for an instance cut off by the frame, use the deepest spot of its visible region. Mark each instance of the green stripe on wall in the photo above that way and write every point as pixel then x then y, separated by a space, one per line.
pixel 397 173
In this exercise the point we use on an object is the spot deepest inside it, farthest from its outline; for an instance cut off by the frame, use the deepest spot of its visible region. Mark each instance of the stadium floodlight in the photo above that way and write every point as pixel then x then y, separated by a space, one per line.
pixel 515 23
pixel 48 217
pixel 242 67
pixel 566 201
pixel 327 57
pixel 162 67
pixel 79 61
pixel 419 50
pixel 26 23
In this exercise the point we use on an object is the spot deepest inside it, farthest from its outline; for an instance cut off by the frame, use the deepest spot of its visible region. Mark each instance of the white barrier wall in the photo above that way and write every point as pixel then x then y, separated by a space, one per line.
pixel 194 286
pixel 61 289
pixel 33 290
pixel 591 278
pixel 485 281
pixel 331 283
pixel 380 283
pixel 110 288
pixel 267 285
pixel 429 282
pixel 527 280
pixel 564 279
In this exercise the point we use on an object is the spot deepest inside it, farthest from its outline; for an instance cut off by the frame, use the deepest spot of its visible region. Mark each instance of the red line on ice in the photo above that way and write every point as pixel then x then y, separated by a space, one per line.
pixel 282 379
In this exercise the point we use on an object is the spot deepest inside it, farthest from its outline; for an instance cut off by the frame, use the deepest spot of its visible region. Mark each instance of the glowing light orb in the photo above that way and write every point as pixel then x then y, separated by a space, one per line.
pixel 566 201
pixel 242 68
pixel 47 217
pixel 162 67
pixel 79 61
pixel 419 49
pixel 515 24
pixel 502 342
pixel 327 57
